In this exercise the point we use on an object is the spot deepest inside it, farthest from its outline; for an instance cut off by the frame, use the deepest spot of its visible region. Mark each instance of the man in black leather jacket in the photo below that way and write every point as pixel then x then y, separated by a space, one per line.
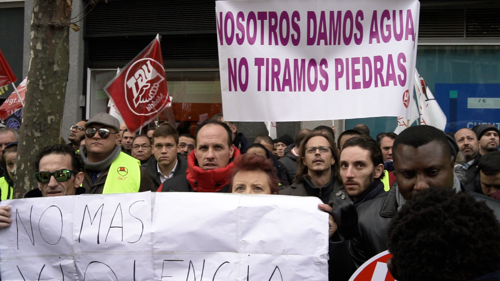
pixel 361 170
pixel 423 157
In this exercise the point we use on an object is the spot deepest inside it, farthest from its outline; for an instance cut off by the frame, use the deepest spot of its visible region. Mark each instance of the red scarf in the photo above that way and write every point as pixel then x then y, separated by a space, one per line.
pixel 209 180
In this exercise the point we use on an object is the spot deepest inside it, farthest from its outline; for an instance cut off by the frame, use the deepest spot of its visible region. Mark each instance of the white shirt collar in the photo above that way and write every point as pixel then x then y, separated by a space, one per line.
pixel 170 175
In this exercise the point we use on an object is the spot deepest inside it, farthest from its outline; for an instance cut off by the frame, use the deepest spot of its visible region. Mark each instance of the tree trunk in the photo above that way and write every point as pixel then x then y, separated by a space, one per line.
pixel 46 89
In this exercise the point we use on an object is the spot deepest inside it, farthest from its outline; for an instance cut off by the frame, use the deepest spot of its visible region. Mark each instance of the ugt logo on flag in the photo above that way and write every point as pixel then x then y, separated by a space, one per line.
pixel 140 91
pixel 143 82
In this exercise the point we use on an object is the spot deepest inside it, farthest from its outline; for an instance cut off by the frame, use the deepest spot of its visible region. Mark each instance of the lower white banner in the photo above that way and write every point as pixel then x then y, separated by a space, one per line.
pixel 165 236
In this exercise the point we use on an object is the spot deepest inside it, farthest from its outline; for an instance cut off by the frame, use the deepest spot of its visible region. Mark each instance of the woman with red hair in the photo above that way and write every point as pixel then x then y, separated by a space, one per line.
pixel 254 174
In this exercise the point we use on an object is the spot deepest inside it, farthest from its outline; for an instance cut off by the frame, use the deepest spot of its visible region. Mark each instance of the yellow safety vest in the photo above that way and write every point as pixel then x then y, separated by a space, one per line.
pixel 7 190
pixel 385 181
pixel 124 175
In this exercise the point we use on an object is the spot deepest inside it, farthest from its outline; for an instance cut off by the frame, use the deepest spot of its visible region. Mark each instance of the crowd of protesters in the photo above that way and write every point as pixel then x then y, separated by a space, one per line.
pixel 422 193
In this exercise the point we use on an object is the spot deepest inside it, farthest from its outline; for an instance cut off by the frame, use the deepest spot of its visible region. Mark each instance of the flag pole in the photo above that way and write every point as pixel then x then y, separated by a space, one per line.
pixel 18 95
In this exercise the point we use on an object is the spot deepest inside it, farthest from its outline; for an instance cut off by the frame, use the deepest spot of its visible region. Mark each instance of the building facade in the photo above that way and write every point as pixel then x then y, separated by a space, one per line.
pixel 459 43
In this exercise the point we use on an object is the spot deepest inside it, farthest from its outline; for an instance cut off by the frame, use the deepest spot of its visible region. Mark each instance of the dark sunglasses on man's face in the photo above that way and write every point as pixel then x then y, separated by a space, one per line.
pixel 75 127
pixel 103 133
pixel 59 175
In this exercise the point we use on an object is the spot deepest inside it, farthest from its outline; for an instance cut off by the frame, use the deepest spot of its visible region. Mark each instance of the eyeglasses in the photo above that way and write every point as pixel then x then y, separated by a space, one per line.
pixel 103 133
pixel 144 146
pixel 75 127
pixel 59 175
pixel 322 149
pixel 183 145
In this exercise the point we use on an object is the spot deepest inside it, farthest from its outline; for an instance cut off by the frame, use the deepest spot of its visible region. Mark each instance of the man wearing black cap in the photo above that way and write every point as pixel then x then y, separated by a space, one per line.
pixel 488 138
pixel 282 143
pixel 107 169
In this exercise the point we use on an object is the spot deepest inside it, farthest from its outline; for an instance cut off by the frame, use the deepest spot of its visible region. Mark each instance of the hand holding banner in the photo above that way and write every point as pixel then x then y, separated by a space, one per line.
pixel 165 236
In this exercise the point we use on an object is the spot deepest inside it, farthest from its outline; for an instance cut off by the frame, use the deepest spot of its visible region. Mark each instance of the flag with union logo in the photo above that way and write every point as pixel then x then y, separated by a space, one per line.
pixel 6 75
pixel 140 90
pixel 425 109
pixel 14 102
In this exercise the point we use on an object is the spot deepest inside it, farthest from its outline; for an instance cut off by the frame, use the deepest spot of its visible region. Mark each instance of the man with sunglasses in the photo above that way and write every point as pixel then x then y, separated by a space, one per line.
pixel 107 169
pixel 59 172
pixel 76 134
pixel 186 144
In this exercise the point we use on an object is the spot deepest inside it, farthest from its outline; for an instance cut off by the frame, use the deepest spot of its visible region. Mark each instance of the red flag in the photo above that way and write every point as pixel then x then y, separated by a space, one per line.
pixel 12 103
pixel 140 91
pixel 6 75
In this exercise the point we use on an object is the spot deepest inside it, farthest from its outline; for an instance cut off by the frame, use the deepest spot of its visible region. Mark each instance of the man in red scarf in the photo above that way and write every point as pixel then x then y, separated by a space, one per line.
pixel 210 164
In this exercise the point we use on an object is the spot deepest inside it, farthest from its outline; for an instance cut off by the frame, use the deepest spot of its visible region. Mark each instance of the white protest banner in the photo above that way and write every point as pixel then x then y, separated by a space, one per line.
pixel 185 236
pixel 112 234
pixel 240 237
pixel 316 60
pixel 37 246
